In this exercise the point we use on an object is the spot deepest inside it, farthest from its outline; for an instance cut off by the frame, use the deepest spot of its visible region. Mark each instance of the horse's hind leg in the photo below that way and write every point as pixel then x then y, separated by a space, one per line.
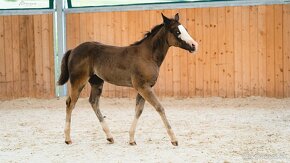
pixel 75 90
pixel 96 91
pixel 138 111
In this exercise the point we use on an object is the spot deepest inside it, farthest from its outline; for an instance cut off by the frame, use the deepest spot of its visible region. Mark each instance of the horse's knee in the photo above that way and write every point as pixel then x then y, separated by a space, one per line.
pixel 92 100
pixel 159 109
pixel 139 99
pixel 139 112
pixel 68 102
pixel 99 90
pixel 95 94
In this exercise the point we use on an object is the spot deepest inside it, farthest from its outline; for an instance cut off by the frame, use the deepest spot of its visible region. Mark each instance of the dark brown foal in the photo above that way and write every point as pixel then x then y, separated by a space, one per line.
pixel 134 66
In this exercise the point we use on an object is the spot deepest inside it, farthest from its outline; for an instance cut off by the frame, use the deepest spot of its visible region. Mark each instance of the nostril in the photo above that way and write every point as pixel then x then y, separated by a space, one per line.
pixel 193 46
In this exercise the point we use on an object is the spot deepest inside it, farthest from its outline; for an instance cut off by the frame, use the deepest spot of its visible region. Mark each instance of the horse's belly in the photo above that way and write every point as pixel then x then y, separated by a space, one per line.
pixel 116 77
pixel 120 83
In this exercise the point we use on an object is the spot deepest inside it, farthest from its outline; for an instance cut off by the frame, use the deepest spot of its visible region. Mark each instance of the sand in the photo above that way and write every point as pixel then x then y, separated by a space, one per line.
pixel 252 129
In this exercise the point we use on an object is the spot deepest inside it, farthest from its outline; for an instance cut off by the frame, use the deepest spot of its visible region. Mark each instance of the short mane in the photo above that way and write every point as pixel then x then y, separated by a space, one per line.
pixel 153 31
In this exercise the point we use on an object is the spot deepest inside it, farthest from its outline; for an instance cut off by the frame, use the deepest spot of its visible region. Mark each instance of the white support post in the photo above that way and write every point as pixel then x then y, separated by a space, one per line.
pixel 60 42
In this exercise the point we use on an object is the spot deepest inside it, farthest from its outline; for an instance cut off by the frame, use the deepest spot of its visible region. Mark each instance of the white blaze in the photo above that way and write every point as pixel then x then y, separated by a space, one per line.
pixel 186 37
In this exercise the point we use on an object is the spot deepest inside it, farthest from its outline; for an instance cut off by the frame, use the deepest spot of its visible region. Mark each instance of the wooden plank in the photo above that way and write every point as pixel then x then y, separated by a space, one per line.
pixel 8 55
pixel 253 47
pixel 238 51
pixel 230 52
pixel 70 31
pixel 89 27
pixel 45 55
pixel 77 29
pixel 16 57
pixel 207 56
pixel 31 56
pixel 286 49
pixel 262 47
pixel 51 56
pixel 190 21
pixel 222 52
pixel 214 57
pixel 270 87
pixel 117 42
pixel 38 55
pixel 246 69
pixel 23 55
pixel 183 59
pixel 199 54
pixel 96 21
pixel 2 60
pixel 278 41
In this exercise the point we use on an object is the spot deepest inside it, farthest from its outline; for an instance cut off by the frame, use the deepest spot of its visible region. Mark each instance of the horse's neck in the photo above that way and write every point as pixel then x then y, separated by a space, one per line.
pixel 159 46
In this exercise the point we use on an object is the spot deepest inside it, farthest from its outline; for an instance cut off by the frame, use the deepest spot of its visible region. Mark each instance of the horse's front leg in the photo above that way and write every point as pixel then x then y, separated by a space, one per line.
pixel 147 93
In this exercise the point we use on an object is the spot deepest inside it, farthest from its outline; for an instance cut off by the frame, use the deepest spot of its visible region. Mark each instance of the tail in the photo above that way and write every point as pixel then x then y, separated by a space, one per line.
pixel 64 75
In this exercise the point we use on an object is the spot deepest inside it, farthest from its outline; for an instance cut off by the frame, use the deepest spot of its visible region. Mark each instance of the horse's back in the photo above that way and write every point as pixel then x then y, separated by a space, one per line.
pixel 91 58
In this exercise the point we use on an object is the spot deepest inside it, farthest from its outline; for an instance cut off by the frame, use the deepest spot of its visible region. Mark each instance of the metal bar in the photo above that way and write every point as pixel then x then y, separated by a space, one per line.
pixel 174 5
pixel 61 44
pixel 27 12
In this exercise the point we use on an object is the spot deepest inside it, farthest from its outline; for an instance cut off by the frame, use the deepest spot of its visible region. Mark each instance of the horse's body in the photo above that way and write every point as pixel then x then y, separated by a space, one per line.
pixel 134 66
pixel 110 63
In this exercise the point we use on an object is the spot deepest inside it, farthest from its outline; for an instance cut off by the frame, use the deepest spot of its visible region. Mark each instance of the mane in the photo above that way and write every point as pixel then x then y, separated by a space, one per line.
pixel 151 33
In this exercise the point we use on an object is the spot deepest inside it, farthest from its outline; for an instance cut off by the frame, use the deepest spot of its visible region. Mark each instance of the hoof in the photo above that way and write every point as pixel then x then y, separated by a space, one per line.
pixel 110 140
pixel 132 143
pixel 175 143
pixel 68 142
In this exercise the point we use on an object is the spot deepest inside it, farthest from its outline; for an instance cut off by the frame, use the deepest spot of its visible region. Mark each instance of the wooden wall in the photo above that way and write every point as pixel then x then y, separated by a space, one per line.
pixel 243 51
pixel 26 56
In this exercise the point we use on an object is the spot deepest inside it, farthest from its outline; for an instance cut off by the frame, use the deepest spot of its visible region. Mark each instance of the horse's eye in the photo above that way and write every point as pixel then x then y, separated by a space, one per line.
pixel 177 32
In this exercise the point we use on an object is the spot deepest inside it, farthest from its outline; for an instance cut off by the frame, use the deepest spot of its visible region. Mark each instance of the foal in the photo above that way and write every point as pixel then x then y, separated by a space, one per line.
pixel 134 66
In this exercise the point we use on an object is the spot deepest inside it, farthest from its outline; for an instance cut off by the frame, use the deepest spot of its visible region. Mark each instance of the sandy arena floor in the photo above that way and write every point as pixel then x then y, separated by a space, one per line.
pixel 250 129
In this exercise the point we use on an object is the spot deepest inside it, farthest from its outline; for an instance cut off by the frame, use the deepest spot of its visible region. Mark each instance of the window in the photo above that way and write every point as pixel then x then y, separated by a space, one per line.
pixel 86 3
pixel 26 4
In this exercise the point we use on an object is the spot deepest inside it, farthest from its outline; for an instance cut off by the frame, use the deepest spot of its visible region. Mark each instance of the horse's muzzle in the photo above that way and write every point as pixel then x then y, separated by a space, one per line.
pixel 192 48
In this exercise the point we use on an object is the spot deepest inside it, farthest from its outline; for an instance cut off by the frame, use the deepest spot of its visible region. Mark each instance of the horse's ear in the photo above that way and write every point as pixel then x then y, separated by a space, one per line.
pixel 166 21
pixel 176 17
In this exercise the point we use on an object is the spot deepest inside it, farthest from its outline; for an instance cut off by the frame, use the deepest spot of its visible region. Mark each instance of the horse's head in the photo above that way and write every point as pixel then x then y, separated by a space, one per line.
pixel 178 35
